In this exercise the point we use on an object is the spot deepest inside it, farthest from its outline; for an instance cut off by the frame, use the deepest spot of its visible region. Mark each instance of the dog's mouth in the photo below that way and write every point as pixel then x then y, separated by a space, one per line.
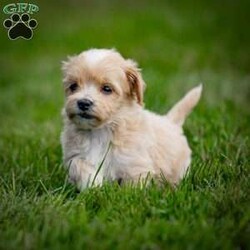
pixel 86 116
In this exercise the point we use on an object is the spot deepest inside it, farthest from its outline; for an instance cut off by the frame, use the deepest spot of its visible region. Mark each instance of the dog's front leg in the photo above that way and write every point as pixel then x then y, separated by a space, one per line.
pixel 84 174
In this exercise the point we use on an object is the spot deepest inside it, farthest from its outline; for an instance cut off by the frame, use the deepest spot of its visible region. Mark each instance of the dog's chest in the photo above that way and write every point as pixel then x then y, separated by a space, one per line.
pixel 95 146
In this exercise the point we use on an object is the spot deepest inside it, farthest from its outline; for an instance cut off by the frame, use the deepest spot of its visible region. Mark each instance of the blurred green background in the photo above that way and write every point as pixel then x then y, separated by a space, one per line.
pixel 178 44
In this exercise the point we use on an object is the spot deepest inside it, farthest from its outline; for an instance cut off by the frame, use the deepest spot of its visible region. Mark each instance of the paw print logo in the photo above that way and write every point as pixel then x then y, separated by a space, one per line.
pixel 20 26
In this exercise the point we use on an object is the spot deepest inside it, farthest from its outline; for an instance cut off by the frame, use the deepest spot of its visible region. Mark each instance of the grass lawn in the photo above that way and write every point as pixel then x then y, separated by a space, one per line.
pixel 177 44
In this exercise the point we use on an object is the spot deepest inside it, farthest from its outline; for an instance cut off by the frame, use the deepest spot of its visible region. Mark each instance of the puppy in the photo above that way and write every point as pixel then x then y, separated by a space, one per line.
pixel 108 135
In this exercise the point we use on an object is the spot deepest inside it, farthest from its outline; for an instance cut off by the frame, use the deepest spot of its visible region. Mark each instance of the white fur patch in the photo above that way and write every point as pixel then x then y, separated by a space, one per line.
pixel 94 56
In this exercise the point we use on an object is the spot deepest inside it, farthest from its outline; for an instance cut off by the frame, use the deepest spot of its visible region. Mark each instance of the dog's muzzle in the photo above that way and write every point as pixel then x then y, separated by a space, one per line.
pixel 85 109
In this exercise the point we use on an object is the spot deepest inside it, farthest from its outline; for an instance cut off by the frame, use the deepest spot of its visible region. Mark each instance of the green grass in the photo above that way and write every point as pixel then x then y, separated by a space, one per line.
pixel 178 44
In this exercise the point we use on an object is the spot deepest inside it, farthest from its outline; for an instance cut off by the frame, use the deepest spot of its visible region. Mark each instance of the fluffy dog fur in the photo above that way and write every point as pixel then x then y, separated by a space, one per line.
pixel 113 130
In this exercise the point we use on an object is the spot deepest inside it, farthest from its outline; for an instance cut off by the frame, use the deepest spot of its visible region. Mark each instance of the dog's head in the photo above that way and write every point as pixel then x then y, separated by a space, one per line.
pixel 98 83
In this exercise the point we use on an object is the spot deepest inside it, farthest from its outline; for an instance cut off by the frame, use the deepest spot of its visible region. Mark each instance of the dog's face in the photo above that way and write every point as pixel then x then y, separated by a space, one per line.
pixel 98 83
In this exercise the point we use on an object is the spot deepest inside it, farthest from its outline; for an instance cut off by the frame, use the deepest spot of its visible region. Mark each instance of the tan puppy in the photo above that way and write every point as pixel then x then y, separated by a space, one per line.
pixel 108 135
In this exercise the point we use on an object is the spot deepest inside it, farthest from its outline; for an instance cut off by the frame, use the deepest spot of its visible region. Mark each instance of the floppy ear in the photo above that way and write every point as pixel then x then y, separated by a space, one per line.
pixel 136 83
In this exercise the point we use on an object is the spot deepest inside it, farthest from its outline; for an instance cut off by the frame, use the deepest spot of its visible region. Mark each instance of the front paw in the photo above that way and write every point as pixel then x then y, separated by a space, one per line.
pixel 84 176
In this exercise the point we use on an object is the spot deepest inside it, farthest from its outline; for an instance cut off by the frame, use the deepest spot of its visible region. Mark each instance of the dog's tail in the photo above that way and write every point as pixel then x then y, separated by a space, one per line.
pixel 182 108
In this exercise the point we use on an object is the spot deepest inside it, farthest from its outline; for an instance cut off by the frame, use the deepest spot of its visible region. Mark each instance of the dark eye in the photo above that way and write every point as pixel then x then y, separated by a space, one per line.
pixel 106 90
pixel 73 87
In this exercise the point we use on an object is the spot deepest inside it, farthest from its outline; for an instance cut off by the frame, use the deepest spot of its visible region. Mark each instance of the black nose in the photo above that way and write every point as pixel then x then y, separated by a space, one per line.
pixel 84 104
